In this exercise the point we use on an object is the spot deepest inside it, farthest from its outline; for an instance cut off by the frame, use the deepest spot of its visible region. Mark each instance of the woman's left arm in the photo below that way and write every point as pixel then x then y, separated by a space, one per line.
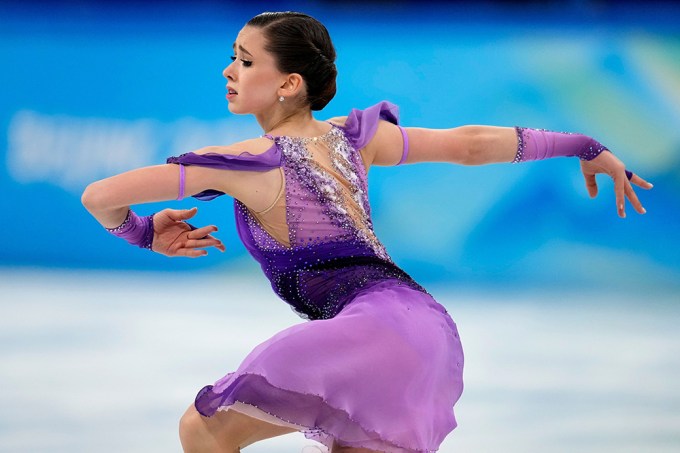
pixel 479 145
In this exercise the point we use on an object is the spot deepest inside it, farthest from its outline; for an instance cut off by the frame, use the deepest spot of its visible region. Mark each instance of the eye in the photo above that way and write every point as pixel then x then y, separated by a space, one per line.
pixel 246 63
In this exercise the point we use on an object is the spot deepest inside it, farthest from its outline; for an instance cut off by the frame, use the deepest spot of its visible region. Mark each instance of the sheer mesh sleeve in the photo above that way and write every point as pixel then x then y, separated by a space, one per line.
pixel 361 125
pixel 245 161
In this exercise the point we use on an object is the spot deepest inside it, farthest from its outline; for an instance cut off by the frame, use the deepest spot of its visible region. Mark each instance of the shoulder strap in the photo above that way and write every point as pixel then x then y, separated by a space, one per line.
pixel 245 161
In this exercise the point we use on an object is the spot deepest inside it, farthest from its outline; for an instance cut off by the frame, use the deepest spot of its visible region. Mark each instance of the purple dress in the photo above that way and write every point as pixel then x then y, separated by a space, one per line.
pixel 379 363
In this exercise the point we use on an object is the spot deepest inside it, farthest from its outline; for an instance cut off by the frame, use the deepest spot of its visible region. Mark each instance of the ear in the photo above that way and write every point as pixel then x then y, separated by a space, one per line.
pixel 292 86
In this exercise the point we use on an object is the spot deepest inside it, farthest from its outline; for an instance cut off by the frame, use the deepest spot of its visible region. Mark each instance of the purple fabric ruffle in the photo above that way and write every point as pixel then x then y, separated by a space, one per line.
pixel 245 161
pixel 361 125
pixel 383 374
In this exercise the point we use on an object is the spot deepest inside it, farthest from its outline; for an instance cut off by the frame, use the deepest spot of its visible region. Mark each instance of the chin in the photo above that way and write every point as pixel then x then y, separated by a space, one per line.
pixel 235 110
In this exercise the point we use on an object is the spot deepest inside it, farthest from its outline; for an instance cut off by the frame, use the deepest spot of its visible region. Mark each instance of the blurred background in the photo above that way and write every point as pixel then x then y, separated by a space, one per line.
pixel 568 314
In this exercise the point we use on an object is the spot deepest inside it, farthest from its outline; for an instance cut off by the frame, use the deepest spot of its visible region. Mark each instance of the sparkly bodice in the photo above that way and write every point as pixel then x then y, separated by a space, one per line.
pixel 330 252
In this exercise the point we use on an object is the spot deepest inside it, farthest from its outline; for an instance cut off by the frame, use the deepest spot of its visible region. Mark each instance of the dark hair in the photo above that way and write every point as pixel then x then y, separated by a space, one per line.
pixel 302 45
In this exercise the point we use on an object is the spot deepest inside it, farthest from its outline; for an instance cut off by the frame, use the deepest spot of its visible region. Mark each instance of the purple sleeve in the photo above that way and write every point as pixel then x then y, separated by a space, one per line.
pixel 245 161
pixel 361 125
pixel 136 230
pixel 538 144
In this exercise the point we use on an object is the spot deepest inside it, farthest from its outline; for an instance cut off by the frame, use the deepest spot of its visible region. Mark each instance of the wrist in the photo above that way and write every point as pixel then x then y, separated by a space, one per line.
pixel 135 230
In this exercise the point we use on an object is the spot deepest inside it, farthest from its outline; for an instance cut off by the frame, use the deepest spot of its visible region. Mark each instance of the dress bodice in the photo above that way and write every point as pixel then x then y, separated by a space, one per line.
pixel 330 252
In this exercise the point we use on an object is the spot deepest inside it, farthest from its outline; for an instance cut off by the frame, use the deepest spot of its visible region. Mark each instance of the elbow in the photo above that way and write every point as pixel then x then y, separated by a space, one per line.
pixel 93 197
pixel 488 144
pixel 476 144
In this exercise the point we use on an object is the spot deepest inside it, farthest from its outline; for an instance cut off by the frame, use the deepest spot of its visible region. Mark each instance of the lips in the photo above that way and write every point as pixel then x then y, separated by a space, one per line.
pixel 231 93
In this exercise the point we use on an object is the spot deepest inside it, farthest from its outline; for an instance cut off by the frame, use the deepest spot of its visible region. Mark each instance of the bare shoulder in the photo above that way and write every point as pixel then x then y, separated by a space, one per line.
pixel 253 146
pixel 338 120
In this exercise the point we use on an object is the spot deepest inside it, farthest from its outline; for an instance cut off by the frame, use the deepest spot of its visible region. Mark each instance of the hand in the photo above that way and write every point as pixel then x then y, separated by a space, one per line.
pixel 609 164
pixel 174 237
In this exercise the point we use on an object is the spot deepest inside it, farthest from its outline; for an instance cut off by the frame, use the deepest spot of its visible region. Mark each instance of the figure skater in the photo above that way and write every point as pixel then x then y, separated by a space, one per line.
pixel 379 364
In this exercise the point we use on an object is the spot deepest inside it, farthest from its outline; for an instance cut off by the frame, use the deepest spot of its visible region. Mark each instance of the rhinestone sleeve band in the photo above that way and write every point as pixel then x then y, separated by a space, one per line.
pixel 136 230
pixel 592 150
pixel 520 145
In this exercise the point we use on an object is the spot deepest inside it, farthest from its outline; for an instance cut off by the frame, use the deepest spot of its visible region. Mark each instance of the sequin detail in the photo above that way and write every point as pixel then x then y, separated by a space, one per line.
pixel 136 230
pixel 123 226
pixel 332 251
pixel 592 150
pixel 519 156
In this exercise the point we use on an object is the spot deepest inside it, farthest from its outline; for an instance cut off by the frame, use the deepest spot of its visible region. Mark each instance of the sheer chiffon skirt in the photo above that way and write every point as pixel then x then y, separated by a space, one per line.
pixel 383 374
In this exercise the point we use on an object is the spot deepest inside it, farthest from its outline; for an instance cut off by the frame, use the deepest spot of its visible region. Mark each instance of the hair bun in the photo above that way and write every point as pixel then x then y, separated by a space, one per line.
pixel 302 45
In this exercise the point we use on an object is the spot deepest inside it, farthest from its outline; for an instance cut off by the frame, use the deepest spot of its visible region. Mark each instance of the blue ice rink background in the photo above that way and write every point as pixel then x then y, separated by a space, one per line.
pixel 569 314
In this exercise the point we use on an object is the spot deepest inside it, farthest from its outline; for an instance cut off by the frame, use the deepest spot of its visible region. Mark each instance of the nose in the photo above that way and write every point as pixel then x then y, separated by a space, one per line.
pixel 228 72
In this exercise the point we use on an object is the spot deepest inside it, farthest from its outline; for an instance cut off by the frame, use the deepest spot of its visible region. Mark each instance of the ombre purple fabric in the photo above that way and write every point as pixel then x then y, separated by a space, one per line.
pixel 379 363
pixel 539 144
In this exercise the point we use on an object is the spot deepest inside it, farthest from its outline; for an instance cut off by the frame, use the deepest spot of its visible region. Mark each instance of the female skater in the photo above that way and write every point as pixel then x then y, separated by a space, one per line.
pixel 378 366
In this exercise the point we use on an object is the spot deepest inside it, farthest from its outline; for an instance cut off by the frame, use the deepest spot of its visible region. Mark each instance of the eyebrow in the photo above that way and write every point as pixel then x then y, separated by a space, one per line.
pixel 242 49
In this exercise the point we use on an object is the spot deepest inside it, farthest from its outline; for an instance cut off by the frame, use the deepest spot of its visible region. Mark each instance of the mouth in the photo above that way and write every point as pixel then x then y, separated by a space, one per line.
pixel 231 91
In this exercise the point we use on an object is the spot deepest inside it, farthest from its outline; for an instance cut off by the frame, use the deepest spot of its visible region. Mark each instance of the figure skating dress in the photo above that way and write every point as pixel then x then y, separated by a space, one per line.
pixel 379 363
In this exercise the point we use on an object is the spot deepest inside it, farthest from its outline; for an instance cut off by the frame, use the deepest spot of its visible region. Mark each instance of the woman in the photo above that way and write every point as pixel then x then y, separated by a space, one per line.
pixel 379 365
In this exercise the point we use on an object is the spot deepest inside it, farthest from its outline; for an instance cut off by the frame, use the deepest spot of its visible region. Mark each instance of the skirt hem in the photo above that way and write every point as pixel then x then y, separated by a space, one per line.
pixel 310 414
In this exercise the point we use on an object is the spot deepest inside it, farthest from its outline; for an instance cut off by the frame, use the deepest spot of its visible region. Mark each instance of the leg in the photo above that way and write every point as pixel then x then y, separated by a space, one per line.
pixel 337 448
pixel 224 432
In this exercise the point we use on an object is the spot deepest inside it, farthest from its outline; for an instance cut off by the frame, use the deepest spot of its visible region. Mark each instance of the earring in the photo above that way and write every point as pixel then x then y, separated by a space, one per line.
pixel 281 99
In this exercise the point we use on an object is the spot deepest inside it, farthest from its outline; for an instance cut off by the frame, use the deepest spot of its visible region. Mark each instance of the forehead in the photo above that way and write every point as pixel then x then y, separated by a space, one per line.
pixel 250 38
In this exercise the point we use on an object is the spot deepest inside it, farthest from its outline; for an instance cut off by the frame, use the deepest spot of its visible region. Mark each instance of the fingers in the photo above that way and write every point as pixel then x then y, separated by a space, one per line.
pixel 201 238
pixel 181 214
pixel 191 253
pixel 623 189
pixel 189 213
pixel 591 185
pixel 638 181
pixel 623 180
pixel 634 201
pixel 202 243
pixel 197 233
pixel 620 181
pixel 195 248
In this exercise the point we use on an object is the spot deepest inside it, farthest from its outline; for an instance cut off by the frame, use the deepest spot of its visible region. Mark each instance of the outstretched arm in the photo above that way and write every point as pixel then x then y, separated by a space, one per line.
pixel 109 202
pixel 167 232
pixel 478 145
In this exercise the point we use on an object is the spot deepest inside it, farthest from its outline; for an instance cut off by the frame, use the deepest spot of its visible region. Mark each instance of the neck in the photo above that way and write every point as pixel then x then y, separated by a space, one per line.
pixel 288 122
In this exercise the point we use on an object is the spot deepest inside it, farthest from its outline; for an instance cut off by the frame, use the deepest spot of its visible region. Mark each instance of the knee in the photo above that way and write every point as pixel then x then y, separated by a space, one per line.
pixel 191 429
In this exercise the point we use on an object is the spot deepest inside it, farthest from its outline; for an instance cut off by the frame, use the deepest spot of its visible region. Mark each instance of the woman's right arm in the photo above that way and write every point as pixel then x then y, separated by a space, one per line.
pixel 109 201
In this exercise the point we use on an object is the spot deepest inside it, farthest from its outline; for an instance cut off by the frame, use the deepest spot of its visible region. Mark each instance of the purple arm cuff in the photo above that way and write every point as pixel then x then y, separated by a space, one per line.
pixel 182 178
pixel 538 144
pixel 136 230
pixel 404 154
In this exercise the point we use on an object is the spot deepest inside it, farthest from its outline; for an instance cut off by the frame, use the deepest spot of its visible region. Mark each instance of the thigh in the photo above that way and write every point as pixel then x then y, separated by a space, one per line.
pixel 235 429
